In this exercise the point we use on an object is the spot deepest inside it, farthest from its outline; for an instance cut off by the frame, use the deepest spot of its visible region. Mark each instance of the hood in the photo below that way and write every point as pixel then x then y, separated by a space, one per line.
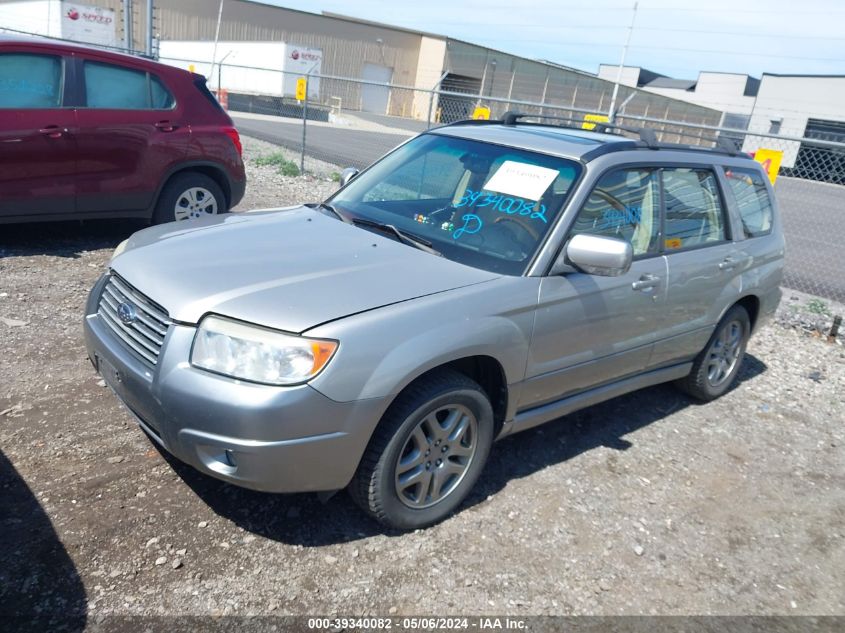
pixel 286 269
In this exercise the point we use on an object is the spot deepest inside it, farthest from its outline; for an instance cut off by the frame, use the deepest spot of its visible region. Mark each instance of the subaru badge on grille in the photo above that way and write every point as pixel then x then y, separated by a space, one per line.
pixel 127 313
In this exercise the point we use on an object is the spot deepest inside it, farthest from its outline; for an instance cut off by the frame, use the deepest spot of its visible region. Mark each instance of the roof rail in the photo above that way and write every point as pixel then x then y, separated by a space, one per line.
pixel 511 117
pixel 647 136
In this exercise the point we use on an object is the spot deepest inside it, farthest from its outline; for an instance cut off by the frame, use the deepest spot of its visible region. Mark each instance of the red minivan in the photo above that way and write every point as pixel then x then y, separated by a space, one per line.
pixel 87 133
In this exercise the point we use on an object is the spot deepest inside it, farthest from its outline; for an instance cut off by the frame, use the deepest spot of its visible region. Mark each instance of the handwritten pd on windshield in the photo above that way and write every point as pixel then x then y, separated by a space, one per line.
pixel 521 179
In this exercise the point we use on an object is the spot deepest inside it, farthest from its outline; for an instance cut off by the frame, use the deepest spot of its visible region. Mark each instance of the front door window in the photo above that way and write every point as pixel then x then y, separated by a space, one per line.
pixel 625 204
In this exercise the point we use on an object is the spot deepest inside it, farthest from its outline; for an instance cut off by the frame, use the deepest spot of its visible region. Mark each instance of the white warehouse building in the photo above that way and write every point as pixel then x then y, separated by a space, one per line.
pixel 803 106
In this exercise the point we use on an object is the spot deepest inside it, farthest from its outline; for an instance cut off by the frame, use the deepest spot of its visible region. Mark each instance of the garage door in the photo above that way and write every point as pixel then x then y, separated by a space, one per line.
pixel 375 98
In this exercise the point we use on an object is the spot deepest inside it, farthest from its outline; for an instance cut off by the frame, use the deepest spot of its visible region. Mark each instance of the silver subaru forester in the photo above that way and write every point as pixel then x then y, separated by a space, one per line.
pixel 479 280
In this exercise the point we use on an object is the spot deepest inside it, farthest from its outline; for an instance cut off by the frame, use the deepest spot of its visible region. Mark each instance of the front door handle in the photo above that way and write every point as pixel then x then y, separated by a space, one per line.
pixel 646 282
pixel 52 131
pixel 165 126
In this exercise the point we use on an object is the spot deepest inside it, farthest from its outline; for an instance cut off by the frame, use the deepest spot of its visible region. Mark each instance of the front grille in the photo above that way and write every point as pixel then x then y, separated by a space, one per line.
pixel 145 336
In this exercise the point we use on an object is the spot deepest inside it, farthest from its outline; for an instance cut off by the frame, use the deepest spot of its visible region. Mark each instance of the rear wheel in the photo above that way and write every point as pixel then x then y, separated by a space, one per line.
pixel 715 369
pixel 189 196
pixel 427 452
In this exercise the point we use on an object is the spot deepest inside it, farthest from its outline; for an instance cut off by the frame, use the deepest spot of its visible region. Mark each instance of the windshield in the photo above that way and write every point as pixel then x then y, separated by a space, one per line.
pixel 483 205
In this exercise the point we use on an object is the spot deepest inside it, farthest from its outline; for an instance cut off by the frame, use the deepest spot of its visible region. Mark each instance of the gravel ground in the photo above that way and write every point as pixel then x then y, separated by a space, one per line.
pixel 647 504
pixel 267 188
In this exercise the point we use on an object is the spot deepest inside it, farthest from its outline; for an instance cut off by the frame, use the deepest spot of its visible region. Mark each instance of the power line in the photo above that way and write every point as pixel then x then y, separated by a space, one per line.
pixel 666 29
pixel 687 50
pixel 744 53
pixel 771 35
pixel 732 10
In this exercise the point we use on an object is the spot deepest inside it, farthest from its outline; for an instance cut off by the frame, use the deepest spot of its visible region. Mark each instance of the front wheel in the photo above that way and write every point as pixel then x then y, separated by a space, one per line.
pixel 189 196
pixel 715 369
pixel 427 452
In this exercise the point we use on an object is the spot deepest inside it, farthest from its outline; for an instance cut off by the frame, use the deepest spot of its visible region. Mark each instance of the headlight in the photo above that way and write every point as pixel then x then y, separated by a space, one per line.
pixel 120 248
pixel 258 354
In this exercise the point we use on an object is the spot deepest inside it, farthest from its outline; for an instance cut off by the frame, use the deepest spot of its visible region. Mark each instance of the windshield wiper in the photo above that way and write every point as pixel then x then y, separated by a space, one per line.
pixel 402 236
pixel 331 209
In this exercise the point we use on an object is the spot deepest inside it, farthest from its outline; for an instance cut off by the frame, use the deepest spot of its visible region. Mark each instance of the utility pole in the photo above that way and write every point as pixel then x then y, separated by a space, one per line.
pixel 128 38
pixel 149 38
pixel 220 70
pixel 612 113
pixel 216 39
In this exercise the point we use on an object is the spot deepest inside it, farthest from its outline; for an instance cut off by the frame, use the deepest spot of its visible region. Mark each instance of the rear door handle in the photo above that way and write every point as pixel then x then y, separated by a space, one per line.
pixel 165 126
pixel 646 282
pixel 52 131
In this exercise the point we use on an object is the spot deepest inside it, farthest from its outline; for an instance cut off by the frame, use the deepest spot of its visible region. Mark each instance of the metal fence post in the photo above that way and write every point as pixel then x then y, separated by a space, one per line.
pixel 430 106
pixel 128 37
pixel 304 120
pixel 431 97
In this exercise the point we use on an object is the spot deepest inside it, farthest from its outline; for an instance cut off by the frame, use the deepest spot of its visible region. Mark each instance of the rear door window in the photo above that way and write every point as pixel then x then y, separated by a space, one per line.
pixel 30 81
pixel 108 86
pixel 694 212
pixel 114 87
pixel 752 198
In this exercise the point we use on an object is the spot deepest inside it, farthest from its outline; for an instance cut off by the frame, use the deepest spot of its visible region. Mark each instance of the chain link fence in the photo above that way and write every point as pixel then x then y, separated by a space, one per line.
pixel 347 122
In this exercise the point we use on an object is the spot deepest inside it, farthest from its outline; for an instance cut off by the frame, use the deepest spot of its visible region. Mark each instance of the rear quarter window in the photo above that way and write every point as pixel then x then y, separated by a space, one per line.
pixel 752 198
pixel 199 83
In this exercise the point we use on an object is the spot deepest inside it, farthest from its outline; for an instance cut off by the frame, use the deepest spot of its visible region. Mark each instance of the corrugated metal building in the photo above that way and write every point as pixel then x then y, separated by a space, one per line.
pixel 367 50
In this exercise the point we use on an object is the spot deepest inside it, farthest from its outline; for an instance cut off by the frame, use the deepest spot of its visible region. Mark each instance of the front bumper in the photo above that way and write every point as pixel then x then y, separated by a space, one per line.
pixel 275 439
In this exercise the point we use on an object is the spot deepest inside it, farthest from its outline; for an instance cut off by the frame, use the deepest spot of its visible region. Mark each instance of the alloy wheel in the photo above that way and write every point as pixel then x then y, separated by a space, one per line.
pixel 436 456
pixel 724 353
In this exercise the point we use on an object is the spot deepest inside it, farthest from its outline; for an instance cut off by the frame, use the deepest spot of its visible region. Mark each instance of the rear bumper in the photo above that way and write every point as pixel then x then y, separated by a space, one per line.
pixel 768 307
pixel 237 190
pixel 275 439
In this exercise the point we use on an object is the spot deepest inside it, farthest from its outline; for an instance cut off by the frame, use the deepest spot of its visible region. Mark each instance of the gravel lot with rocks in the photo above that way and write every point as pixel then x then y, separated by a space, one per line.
pixel 268 188
pixel 648 504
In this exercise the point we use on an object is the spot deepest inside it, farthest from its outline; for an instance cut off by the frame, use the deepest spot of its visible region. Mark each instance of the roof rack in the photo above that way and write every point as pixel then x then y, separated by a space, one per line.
pixel 647 136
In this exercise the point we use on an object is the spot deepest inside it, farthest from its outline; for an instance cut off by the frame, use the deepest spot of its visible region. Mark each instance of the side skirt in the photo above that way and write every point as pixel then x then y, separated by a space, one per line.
pixel 547 412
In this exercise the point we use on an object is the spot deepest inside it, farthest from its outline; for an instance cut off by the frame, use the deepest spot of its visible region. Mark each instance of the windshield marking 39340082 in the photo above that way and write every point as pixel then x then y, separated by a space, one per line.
pixel 476 203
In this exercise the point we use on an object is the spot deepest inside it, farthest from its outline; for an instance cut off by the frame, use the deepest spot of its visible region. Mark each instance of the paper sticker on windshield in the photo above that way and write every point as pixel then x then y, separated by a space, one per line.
pixel 521 179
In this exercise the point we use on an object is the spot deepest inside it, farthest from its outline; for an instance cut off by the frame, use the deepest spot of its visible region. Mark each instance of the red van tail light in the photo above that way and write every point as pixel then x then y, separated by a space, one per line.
pixel 232 133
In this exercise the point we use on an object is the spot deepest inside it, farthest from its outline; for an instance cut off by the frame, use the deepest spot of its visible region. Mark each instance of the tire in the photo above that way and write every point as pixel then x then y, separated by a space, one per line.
pixel 715 369
pixel 410 500
pixel 189 195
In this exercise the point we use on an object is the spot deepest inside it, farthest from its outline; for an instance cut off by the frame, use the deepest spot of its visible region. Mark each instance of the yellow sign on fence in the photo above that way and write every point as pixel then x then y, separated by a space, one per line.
pixel 301 89
pixel 481 112
pixel 770 159
pixel 590 121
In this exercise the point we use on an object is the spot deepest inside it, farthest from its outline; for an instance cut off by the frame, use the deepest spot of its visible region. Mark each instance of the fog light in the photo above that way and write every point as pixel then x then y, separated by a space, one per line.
pixel 230 458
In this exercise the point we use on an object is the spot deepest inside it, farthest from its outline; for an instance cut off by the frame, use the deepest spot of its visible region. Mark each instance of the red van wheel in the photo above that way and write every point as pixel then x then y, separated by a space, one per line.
pixel 189 196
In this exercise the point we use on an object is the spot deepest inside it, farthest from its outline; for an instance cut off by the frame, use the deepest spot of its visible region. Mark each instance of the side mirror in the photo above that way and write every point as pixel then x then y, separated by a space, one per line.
pixel 346 175
pixel 595 255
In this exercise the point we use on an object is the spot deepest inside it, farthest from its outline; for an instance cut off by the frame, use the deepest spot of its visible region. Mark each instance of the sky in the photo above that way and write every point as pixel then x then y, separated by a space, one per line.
pixel 676 38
